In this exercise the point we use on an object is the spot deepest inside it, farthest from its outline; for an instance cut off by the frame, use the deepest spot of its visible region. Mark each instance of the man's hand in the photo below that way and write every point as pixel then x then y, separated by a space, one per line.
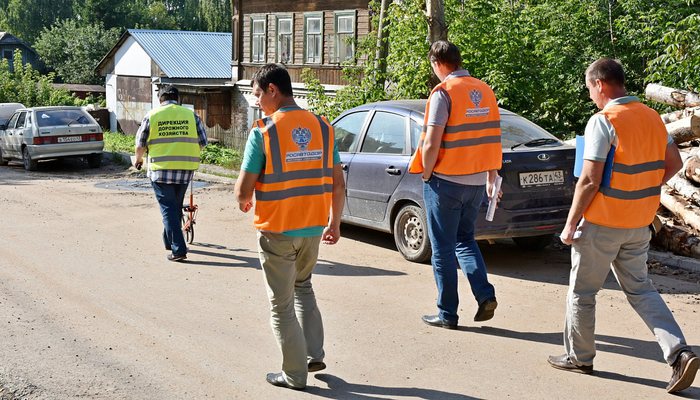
pixel 331 235
pixel 245 206
pixel 569 234
pixel 138 164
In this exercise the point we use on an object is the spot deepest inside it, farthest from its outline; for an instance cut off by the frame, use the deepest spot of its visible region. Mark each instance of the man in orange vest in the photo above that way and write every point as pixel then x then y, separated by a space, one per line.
pixel 459 155
pixel 291 165
pixel 608 224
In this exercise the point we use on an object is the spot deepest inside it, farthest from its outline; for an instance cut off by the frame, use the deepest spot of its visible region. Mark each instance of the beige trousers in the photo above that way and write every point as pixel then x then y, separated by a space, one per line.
pixel 287 263
pixel 625 251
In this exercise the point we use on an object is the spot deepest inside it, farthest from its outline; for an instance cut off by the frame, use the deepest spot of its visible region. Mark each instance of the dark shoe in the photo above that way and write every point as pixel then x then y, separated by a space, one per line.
pixel 278 380
pixel 564 362
pixel 684 370
pixel 173 257
pixel 486 310
pixel 315 366
pixel 435 320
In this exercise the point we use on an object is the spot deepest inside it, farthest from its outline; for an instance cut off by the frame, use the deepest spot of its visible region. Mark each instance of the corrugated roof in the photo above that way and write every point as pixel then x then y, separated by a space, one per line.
pixel 183 54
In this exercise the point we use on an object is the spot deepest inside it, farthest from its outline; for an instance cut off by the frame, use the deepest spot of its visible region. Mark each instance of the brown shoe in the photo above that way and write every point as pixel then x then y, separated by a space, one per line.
pixel 315 366
pixel 563 362
pixel 684 370
pixel 486 310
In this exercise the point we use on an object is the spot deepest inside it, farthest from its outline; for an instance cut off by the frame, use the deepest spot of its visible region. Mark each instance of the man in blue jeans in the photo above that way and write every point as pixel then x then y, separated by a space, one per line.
pixel 459 156
pixel 174 136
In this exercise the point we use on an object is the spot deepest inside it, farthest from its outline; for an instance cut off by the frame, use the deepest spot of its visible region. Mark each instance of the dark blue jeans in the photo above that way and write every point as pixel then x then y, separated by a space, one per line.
pixel 451 211
pixel 170 197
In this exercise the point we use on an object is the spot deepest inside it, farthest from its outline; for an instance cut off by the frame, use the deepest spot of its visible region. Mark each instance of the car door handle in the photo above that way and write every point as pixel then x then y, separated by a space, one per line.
pixel 393 171
pixel 344 167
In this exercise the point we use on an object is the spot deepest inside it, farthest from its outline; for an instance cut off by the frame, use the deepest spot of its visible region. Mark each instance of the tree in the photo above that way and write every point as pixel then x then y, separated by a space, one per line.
pixel 73 50
pixel 25 85
pixel 26 18
pixel 110 13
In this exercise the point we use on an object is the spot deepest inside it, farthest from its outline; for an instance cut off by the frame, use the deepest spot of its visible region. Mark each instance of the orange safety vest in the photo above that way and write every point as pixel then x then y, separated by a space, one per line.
pixel 637 172
pixel 294 191
pixel 471 141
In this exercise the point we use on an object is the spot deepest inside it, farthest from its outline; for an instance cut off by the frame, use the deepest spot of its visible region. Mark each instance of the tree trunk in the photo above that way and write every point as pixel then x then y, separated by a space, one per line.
pixel 684 188
pixel 382 42
pixel 677 240
pixel 691 169
pixel 682 209
pixel 673 97
pixel 685 129
pixel 437 28
pixel 677 115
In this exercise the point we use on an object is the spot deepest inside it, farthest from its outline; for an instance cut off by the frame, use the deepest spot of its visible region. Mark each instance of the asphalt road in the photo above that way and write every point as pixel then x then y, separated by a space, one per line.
pixel 90 308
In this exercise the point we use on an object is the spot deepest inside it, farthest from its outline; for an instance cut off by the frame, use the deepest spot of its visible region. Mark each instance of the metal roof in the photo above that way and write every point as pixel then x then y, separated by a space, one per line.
pixel 184 54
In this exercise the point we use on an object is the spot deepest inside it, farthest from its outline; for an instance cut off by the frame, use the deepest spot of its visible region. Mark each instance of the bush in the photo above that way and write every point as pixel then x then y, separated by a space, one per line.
pixel 221 156
pixel 119 142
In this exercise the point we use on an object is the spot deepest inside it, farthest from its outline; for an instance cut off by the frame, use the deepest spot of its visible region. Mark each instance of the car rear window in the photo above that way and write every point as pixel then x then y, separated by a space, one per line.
pixel 62 118
pixel 518 130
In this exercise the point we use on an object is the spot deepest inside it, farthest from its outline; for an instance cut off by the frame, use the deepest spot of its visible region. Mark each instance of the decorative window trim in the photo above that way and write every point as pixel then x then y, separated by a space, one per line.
pixel 253 57
pixel 278 41
pixel 307 17
pixel 336 34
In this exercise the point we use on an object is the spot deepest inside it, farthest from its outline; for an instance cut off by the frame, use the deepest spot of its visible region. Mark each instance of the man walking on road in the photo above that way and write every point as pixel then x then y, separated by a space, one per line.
pixel 173 136
pixel 614 222
pixel 459 155
pixel 292 167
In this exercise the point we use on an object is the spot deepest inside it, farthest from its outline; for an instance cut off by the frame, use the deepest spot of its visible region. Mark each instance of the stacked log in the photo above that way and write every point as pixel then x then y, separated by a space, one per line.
pixel 680 197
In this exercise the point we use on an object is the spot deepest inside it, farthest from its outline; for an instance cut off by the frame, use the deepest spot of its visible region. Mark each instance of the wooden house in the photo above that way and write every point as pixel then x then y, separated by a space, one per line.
pixel 319 35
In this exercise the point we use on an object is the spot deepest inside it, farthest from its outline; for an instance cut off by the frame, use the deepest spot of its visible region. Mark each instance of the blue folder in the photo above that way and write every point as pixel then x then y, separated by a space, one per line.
pixel 578 163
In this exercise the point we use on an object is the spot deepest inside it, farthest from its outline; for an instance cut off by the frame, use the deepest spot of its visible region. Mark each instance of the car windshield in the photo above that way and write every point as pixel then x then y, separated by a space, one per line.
pixel 61 118
pixel 518 131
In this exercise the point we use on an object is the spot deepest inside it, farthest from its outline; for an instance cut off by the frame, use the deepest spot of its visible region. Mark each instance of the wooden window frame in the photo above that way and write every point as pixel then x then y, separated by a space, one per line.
pixel 336 34
pixel 307 17
pixel 278 40
pixel 253 20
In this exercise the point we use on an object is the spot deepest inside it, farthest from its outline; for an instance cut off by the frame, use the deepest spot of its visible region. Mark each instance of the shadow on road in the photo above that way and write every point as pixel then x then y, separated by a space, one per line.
pixel 66 168
pixel 323 267
pixel 634 348
pixel 610 344
pixel 341 389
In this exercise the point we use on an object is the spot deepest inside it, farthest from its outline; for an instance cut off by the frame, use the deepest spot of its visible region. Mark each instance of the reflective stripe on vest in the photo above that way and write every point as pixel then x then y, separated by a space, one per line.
pixel 632 198
pixel 294 191
pixel 471 140
pixel 173 143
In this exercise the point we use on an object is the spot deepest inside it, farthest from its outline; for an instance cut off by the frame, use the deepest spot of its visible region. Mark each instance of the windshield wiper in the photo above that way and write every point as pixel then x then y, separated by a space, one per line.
pixel 536 142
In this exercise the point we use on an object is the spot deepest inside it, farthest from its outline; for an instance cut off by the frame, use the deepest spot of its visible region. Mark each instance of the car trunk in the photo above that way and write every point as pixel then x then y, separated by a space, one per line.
pixel 537 179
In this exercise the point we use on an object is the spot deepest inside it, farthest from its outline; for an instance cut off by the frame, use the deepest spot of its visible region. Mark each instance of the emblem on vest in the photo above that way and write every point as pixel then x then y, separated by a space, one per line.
pixel 302 138
pixel 476 96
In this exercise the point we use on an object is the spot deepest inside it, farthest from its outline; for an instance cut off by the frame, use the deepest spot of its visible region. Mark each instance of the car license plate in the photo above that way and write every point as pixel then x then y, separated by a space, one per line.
pixel 541 178
pixel 68 139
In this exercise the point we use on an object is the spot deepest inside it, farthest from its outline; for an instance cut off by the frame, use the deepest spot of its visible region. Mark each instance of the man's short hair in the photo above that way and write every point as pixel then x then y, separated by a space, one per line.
pixel 446 53
pixel 168 92
pixel 607 70
pixel 276 74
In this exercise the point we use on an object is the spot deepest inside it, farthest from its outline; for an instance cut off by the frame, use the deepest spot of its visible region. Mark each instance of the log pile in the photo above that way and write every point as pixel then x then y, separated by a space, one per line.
pixel 680 197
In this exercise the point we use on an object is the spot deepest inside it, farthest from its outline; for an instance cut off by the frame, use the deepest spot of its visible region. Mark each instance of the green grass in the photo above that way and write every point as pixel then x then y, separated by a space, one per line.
pixel 221 156
pixel 212 154
pixel 119 142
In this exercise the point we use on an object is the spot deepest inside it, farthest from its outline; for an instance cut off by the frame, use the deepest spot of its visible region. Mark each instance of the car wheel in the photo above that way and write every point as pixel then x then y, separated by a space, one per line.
pixel 411 234
pixel 3 161
pixel 533 242
pixel 29 164
pixel 94 160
